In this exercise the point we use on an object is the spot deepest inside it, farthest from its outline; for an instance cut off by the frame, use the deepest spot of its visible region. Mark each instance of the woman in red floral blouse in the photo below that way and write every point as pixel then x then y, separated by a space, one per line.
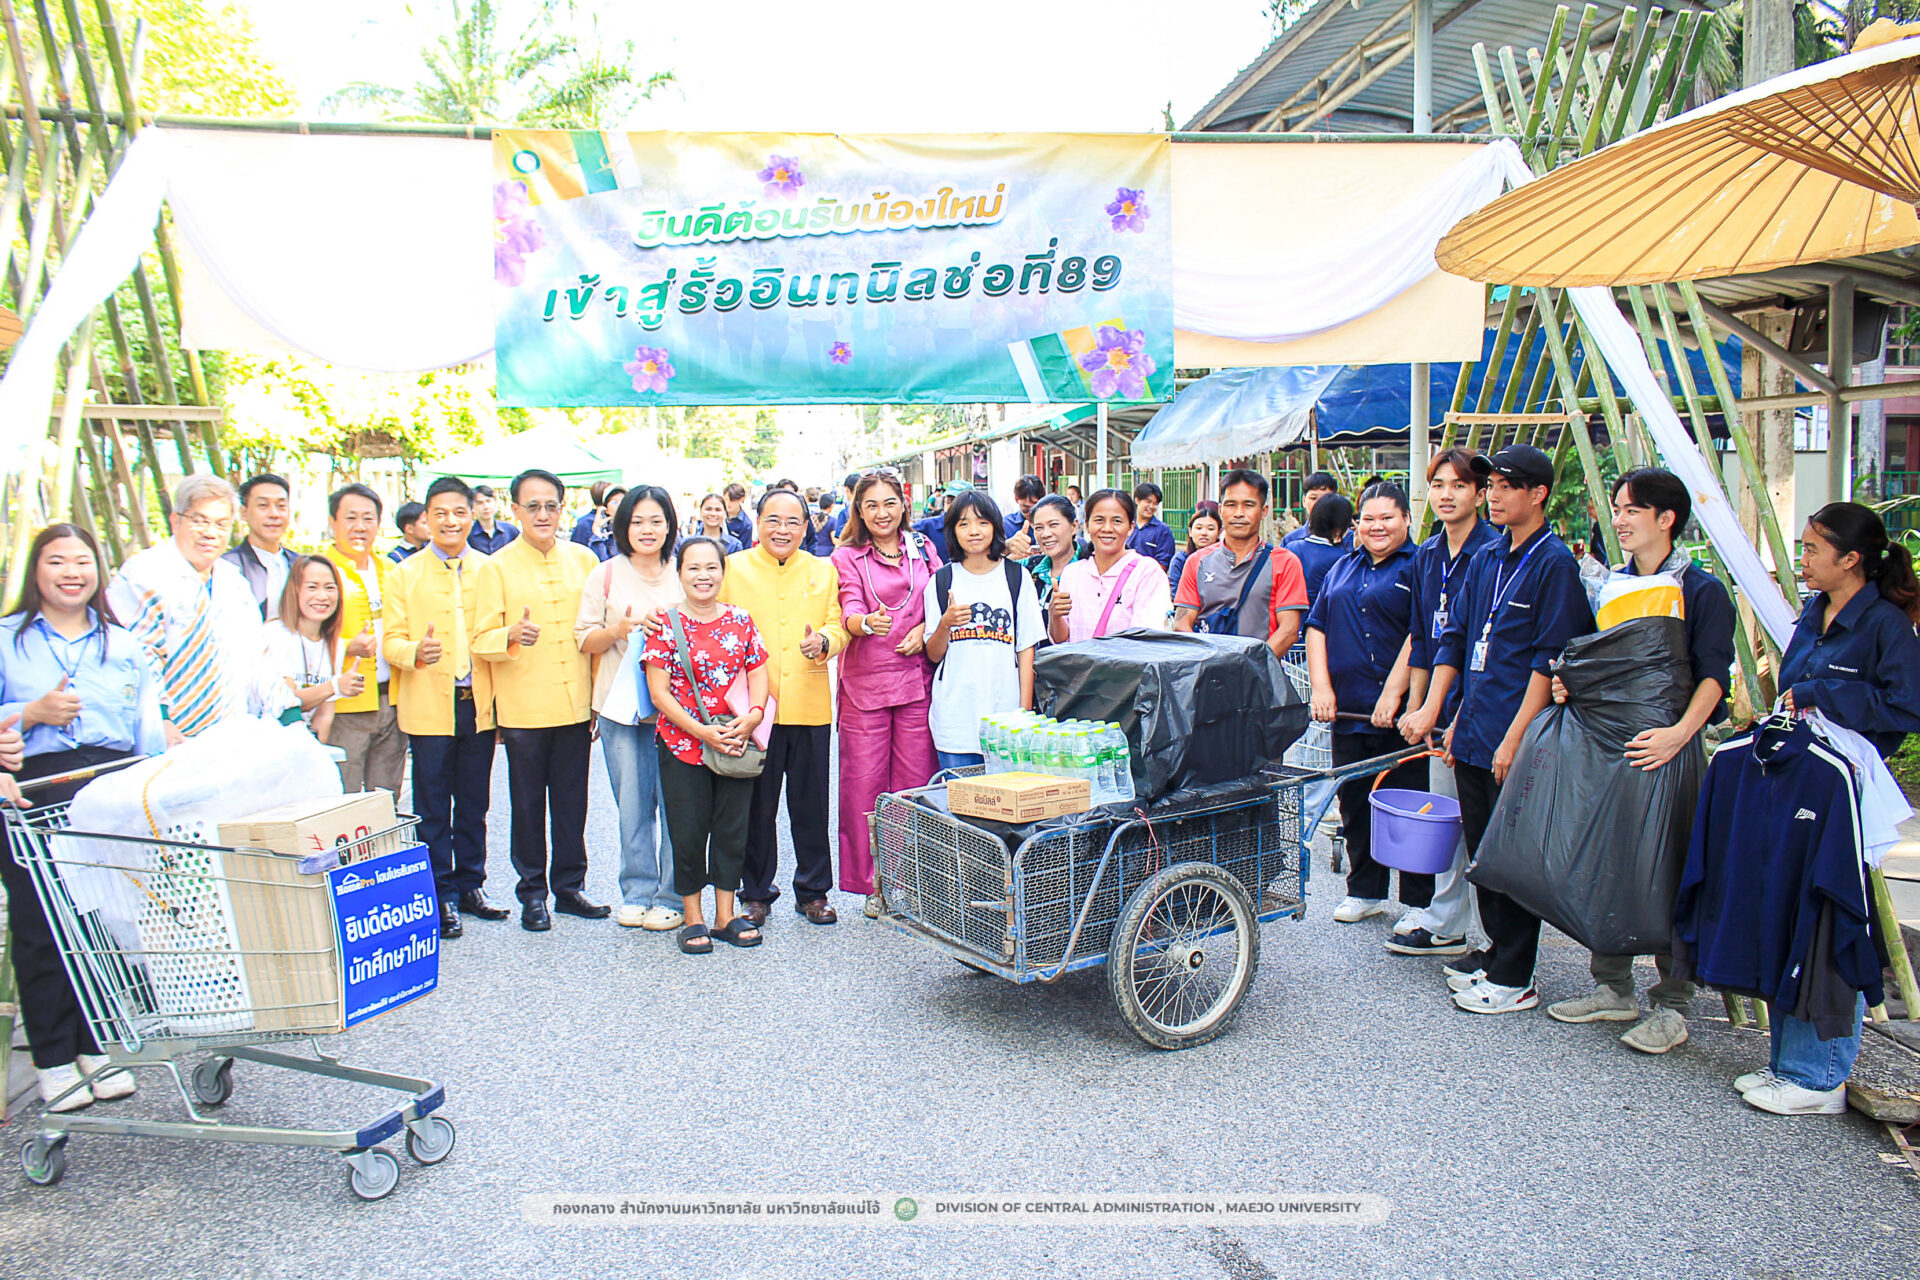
pixel 706 813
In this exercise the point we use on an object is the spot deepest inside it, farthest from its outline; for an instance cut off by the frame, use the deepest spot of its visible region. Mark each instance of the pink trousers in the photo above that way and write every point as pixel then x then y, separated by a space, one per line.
pixel 880 751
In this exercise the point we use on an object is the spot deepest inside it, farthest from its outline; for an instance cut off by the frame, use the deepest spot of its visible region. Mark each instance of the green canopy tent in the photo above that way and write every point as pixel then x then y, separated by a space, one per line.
pixel 575 464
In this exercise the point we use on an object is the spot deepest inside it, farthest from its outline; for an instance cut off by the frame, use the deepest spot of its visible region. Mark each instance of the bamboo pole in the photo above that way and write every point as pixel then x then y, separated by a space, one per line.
pixel 1582 437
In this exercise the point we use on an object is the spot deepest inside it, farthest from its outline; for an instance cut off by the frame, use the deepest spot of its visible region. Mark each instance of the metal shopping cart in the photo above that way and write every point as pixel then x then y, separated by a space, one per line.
pixel 177 948
pixel 1314 753
pixel 1168 898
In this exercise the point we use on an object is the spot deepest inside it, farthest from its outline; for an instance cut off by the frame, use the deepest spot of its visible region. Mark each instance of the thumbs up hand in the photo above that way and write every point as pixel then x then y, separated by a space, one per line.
pixel 59 706
pixel 524 632
pixel 623 625
pixel 813 646
pixel 879 622
pixel 13 747
pixel 362 646
pixel 429 651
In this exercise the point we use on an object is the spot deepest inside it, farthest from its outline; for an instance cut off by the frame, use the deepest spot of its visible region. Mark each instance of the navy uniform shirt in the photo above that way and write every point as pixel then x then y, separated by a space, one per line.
pixel 1364 610
pixel 1438 579
pixel 1154 540
pixel 1863 672
pixel 1541 606
pixel 1317 558
pixel 488 543
pixel 1709 630
pixel 740 525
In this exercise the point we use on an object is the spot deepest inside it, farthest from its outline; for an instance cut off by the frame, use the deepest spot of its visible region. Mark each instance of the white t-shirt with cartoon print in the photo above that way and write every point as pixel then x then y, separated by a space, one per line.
pixel 981 671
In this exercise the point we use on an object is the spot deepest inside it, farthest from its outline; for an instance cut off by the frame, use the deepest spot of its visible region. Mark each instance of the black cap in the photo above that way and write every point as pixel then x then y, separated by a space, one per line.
pixel 1520 464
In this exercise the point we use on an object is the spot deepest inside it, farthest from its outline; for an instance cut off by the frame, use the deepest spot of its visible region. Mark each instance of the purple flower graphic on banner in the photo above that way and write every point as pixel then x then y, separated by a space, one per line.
pixel 514 234
pixel 782 176
pixel 1120 365
pixel 1129 209
pixel 650 367
pixel 840 353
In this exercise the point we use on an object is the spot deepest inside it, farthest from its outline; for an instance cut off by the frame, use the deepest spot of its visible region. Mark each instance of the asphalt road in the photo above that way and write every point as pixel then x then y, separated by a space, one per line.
pixel 850 1060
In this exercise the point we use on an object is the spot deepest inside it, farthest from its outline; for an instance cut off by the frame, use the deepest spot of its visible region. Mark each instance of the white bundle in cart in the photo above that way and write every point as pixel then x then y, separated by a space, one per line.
pixel 168 908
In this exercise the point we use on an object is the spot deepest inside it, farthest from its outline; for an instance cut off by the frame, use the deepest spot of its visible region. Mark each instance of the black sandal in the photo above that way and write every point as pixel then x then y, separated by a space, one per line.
pixel 696 940
pixel 737 926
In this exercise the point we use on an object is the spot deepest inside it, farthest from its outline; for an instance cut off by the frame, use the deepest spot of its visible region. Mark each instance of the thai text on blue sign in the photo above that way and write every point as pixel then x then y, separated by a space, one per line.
pixel 387 921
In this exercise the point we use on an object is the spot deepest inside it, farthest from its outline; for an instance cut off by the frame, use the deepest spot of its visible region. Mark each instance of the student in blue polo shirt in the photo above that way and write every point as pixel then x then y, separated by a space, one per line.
pixel 1358 640
pixel 1151 537
pixel 1855 658
pixel 1650 508
pixel 1522 603
pixel 1454 491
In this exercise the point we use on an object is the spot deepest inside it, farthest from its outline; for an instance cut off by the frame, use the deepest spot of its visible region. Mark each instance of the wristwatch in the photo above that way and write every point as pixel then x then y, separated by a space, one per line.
pixel 866 629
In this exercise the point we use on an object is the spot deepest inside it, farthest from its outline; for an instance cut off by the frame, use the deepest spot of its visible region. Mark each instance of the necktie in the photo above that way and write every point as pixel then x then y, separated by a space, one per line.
pixel 192 675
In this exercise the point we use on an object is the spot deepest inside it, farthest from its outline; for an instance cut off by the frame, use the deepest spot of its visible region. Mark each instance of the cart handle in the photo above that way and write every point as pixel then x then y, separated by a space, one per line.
pixel 1409 759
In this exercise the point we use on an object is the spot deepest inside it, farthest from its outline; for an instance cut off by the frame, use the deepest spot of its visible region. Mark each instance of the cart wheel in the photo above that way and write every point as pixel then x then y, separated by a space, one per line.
pixel 1184 954
pixel 213 1082
pixel 1337 857
pixel 44 1160
pixel 372 1174
pixel 430 1140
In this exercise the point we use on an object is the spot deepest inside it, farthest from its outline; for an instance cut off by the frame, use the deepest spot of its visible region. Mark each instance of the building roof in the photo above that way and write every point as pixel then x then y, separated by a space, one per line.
pixel 1320 47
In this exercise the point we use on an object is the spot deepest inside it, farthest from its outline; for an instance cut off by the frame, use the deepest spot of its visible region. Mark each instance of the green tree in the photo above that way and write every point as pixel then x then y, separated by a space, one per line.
pixel 203 60
pixel 477 71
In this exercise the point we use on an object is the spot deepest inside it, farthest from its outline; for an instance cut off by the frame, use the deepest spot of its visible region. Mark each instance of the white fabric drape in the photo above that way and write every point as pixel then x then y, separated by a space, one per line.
pixel 366 252
pixel 1315 284
pixel 1623 353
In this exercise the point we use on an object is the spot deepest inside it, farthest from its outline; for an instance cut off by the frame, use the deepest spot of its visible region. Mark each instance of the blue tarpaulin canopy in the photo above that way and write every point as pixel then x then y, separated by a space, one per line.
pixel 1240 412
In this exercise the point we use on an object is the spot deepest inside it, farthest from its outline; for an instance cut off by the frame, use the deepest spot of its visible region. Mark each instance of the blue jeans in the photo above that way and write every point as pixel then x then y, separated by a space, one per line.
pixel 959 759
pixel 1800 1055
pixel 646 856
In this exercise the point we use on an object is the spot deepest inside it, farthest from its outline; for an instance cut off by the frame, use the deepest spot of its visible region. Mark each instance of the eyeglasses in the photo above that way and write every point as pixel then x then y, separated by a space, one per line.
pixel 203 524
pixel 541 508
pixel 776 522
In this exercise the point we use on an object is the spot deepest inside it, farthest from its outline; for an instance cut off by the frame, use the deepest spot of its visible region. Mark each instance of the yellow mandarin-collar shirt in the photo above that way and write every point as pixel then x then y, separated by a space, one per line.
pixel 355 613
pixel 784 600
pixel 428 591
pixel 551 682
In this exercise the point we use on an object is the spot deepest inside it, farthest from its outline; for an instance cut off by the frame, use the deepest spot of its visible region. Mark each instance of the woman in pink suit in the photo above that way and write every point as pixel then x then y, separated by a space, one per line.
pixel 885 679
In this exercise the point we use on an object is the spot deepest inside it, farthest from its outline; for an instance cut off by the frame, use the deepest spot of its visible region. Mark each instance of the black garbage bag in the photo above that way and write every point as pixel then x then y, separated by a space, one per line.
pixel 1580 837
pixel 1197 709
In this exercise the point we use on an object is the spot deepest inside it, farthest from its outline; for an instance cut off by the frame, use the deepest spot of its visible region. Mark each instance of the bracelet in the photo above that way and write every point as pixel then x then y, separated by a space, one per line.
pixel 751 710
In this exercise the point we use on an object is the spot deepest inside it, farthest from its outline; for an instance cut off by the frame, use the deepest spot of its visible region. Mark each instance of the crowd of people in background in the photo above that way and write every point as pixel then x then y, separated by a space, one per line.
pixel 713 652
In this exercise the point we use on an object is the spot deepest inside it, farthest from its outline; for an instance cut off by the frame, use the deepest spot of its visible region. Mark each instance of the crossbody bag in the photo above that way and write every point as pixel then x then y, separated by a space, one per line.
pixel 750 761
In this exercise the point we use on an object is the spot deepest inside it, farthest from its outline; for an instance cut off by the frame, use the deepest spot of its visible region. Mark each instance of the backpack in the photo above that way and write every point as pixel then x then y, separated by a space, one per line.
pixel 943 588
pixel 1225 621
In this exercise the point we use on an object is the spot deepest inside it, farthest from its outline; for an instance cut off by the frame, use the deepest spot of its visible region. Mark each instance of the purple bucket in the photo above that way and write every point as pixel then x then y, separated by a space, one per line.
pixel 1408 840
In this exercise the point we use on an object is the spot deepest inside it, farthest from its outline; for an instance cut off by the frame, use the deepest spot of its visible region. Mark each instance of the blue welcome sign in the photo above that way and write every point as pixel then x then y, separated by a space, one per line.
pixel 386 919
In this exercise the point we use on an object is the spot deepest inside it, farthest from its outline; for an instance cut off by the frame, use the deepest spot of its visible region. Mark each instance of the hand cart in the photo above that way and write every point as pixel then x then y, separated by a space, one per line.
pixel 177 948
pixel 1168 898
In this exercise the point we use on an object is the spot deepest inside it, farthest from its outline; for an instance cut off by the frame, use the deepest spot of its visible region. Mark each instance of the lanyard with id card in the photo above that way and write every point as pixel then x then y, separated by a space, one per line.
pixel 1502 591
pixel 1446 588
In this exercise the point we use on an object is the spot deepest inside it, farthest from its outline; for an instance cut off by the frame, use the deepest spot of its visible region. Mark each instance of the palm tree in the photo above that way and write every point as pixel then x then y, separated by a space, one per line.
pixel 541 77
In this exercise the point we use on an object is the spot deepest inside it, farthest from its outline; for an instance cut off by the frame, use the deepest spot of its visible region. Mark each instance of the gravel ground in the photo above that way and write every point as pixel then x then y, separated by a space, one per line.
pixel 850 1060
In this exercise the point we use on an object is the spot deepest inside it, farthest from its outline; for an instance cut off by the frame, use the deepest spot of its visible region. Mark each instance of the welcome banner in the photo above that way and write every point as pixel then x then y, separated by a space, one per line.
pixel 675 268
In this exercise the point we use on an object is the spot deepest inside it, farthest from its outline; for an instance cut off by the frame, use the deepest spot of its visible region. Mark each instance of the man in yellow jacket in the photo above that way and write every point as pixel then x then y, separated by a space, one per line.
pixel 529 596
pixel 794 599
pixel 445 701
pixel 365 726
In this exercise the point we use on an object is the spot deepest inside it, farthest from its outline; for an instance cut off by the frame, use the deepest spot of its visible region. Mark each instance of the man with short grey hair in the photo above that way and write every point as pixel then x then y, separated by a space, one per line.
pixel 197 617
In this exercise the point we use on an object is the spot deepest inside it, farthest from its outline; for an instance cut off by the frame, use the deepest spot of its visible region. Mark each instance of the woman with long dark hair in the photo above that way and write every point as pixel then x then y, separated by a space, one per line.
pixel 1203 530
pixel 618 597
pixel 303 641
pixel 885 680
pixel 1855 658
pixel 84 695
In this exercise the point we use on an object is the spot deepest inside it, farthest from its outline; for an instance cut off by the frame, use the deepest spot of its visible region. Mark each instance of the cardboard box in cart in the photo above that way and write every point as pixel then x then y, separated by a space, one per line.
pixel 1018 797
pixel 283 918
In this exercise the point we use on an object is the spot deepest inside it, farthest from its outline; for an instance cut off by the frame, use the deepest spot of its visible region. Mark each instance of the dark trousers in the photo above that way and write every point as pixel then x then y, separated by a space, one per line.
pixel 706 821
pixel 796 754
pixel 56 1028
pixel 547 771
pixel 452 783
pixel 1365 877
pixel 1512 930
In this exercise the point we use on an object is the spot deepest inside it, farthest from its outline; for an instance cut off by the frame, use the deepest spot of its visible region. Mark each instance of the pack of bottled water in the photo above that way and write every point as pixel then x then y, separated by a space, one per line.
pixel 1028 742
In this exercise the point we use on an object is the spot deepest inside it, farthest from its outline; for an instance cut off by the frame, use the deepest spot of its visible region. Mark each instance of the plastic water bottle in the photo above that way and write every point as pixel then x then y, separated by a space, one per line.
pixel 1118 758
pixel 1086 761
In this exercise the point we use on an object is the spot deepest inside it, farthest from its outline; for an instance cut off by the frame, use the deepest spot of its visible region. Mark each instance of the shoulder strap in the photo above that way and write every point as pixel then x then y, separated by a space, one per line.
pixel 1015 571
pixel 1253 575
pixel 686 664
pixel 1106 614
pixel 943 585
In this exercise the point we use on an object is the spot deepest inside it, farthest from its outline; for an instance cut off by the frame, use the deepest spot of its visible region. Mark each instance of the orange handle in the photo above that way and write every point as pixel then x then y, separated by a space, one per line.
pixel 1397 763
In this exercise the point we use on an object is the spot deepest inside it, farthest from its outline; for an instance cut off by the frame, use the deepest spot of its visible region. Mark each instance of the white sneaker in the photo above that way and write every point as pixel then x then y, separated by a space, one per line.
pixel 1754 1079
pixel 1466 981
pixel 118 1085
pixel 1489 997
pixel 630 917
pixel 661 919
pixel 55 1081
pixel 1602 1004
pixel 1352 909
pixel 1785 1098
